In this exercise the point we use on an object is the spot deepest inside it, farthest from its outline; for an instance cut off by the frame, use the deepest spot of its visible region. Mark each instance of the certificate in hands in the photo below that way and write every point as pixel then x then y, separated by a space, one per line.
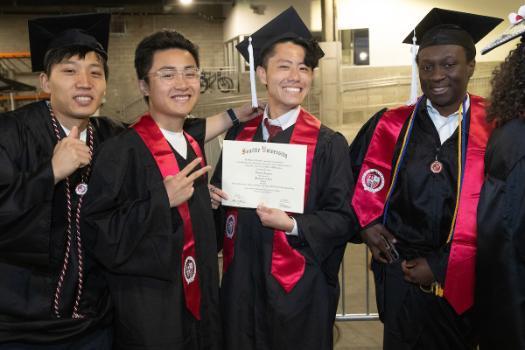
pixel 256 173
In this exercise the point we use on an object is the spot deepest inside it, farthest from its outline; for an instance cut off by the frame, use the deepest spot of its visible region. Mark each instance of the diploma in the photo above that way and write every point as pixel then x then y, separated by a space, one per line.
pixel 256 173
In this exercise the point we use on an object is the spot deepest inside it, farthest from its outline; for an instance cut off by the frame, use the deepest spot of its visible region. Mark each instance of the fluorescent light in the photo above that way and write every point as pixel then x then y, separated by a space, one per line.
pixel 186 2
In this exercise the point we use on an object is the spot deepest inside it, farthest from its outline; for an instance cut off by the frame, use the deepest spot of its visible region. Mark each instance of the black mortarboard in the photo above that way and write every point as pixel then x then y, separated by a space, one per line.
pixel 287 25
pixel 46 33
pixel 446 27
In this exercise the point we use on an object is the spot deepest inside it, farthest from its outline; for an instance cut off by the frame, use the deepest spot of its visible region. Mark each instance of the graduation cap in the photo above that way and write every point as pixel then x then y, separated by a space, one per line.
pixel 516 29
pixel 287 25
pixel 446 27
pixel 47 33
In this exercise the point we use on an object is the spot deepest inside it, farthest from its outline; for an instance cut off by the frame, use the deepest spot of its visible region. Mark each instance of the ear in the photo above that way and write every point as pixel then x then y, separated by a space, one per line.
pixel 143 87
pixel 471 66
pixel 261 74
pixel 44 83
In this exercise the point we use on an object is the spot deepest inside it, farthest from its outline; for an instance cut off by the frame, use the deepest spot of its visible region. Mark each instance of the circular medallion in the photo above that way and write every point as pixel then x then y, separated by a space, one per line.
pixel 81 189
pixel 190 269
pixel 436 167
pixel 373 180
pixel 230 226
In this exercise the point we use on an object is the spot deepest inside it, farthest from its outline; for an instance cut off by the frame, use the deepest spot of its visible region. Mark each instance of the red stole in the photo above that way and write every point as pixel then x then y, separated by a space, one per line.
pixel 376 171
pixel 375 176
pixel 461 268
pixel 161 151
pixel 287 264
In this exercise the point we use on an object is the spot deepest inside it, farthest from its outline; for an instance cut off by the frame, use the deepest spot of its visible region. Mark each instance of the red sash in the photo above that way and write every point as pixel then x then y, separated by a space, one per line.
pixel 374 181
pixel 376 171
pixel 287 264
pixel 461 268
pixel 167 164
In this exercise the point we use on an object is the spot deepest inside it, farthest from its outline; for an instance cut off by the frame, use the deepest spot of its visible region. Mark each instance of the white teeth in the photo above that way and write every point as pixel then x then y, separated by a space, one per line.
pixel 83 98
pixel 181 98
pixel 439 90
pixel 292 89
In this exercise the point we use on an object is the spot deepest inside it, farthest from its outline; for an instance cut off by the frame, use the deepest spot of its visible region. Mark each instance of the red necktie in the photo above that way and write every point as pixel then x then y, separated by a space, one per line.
pixel 287 263
pixel 272 129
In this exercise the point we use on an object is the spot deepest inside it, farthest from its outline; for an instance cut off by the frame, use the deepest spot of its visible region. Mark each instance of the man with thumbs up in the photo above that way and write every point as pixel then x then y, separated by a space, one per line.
pixel 51 296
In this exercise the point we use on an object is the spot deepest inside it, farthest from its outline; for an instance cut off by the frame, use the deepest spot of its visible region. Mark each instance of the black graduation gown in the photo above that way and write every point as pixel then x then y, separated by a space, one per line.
pixel 420 215
pixel 139 239
pixel 257 312
pixel 33 232
pixel 500 271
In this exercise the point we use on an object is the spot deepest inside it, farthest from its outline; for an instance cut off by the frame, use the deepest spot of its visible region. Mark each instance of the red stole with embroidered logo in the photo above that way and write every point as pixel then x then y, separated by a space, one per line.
pixel 369 198
pixel 369 205
pixel 287 264
pixel 161 151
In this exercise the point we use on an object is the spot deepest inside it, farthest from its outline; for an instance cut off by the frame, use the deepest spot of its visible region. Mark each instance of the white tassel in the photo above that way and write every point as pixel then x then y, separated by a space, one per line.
pixel 414 88
pixel 252 73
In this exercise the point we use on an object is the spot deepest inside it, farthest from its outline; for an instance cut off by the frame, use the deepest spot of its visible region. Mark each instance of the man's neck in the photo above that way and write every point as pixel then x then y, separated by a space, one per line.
pixel 274 113
pixel 70 122
pixel 446 111
pixel 171 123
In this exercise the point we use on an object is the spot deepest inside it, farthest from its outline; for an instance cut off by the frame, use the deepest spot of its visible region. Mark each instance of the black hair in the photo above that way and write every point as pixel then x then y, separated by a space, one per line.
pixel 162 40
pixel 312 51
pixel 55 56
pixel 507 98
pixel 448 34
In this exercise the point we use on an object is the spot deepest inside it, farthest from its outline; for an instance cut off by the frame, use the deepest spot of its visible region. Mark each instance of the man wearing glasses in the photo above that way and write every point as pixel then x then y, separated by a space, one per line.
pixel 149 216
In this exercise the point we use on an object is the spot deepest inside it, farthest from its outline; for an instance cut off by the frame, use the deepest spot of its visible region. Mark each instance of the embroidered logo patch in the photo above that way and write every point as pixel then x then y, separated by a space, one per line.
pixel 230 226
pixel 190 269
pixel 373 180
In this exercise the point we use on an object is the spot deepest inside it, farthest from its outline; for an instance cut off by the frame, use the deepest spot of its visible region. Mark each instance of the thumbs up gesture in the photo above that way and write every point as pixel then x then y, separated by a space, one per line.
pixel 69 154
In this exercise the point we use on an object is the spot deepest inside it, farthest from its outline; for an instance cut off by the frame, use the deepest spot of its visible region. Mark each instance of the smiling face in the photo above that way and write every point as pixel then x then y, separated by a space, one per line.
pixel 76 86
pixel 444 74
pixel 176 97
pixel 287 78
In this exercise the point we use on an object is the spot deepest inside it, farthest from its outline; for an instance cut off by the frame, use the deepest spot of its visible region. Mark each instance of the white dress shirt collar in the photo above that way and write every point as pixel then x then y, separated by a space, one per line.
pixel 284 121
pixel 445 125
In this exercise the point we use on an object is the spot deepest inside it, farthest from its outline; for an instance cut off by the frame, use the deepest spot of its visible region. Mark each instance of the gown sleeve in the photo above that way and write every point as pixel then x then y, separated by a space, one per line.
pixel 26 191
pixel 219 214
pixel 500 286
pixel 127 218
pixel 326 225
pixel 438 262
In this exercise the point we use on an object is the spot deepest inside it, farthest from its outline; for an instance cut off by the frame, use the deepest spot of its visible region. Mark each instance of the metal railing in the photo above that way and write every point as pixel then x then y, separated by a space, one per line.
pixel 367 315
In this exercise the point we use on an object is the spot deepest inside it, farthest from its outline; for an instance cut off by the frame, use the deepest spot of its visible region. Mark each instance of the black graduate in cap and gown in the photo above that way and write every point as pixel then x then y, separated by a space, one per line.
pixel 289 302
pixel 500 269
pixel 418 172
pixel 51 295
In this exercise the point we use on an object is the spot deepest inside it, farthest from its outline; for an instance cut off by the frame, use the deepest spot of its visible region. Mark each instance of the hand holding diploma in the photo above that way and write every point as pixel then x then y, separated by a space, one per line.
pixel 275 218
pixel 216 195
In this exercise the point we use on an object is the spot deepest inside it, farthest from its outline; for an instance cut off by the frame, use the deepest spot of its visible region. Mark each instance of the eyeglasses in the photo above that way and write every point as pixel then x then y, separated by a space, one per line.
pixel 168 74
